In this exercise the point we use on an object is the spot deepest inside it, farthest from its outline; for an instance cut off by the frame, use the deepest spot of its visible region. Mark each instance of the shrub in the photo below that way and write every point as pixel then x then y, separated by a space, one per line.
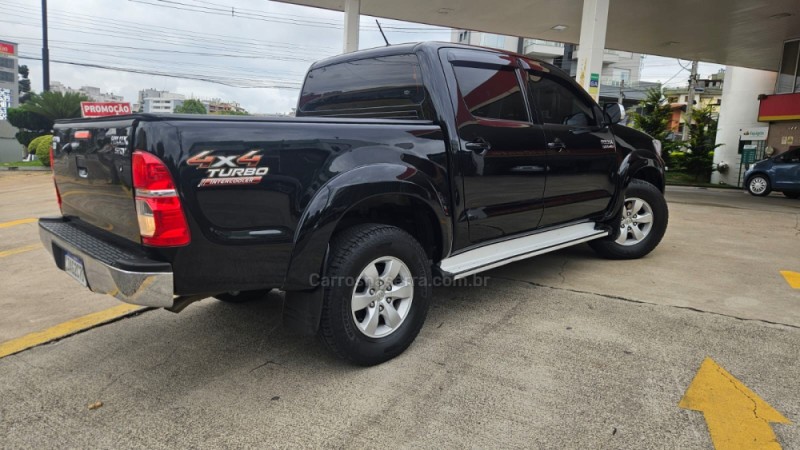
pixel 677 161
pixel 41 146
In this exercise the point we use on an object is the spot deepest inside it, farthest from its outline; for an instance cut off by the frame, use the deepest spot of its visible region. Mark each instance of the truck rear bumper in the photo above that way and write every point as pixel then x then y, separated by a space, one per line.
pixel 109 269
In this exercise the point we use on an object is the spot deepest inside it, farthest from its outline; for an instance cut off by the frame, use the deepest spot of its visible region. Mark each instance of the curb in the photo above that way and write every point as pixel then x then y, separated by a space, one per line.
pixel 25 168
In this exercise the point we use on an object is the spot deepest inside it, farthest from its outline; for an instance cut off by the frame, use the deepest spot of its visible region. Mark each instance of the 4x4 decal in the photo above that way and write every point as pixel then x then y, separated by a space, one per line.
pixel 227 170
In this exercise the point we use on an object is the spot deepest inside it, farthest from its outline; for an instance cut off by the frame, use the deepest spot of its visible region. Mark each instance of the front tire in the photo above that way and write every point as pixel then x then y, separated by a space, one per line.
pixel 759 186
pixel 644 221
pixel 377 291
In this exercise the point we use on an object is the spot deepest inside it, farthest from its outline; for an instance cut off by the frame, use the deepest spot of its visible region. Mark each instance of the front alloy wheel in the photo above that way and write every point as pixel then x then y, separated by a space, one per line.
pixel 637 221
pixel 644 221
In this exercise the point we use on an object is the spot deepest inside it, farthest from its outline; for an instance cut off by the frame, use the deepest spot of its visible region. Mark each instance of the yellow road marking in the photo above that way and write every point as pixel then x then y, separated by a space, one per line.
pixel 17 222
pixel 22 249
pixel 737 418
pixel 65 329
pixel 793 278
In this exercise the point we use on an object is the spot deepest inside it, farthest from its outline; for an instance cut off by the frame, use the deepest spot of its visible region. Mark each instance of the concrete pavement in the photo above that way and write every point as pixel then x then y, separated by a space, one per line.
pixel 562 351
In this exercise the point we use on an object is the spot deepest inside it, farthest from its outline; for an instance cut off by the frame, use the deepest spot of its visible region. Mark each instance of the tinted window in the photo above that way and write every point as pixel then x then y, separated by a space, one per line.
pixel 492 93
pixel 792 156
pixel 389 87
pixel 557 102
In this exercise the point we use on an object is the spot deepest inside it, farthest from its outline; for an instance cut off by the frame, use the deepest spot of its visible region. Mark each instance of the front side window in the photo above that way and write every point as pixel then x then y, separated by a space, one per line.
pixel 491 92
pixel 556 102
pixel 383 87
pixel 792 156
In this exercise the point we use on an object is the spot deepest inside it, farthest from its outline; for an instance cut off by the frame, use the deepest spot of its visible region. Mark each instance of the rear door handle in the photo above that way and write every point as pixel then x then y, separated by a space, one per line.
pixel 557 144
pixel 478 145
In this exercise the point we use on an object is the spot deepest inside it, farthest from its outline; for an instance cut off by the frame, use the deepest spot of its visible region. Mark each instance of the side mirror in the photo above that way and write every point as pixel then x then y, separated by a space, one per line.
pixel 614 113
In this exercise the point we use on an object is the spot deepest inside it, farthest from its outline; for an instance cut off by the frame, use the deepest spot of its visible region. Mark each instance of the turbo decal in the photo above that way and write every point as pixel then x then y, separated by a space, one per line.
pixel 227 170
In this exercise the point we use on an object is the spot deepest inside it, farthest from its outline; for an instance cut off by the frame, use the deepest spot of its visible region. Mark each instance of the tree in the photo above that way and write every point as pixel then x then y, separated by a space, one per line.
pixel 31 125
pixel 56 105
pixel 701 144
pixel 24 84
pixel 191 106
pixel 654 120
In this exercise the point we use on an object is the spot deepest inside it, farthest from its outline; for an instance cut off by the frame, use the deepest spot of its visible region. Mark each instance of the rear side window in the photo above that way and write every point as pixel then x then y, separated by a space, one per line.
pixel 385 87
pixel 557 102
pixel 491 92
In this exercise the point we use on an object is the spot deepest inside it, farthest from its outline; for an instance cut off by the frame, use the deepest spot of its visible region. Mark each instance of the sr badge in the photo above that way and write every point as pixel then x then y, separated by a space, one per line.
pixel 228 170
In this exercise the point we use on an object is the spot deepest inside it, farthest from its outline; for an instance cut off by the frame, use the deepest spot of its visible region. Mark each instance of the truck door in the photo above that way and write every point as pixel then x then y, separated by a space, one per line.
pixel 501 153
pixel 581 155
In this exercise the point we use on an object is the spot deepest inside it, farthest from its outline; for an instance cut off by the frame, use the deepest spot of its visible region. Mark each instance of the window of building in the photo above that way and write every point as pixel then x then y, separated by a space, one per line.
pixel 491 92
pixel 383 87
pixel 619 76
pixel 787 77
pixel 493 40
pixel 557 102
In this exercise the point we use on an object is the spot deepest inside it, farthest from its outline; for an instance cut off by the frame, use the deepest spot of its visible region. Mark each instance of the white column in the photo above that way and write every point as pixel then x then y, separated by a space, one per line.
pixel 352 15
pixel 592 42
pixel 739 110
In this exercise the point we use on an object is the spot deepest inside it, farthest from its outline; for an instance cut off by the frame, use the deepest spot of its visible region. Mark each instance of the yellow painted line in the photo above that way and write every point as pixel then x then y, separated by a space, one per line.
pixel 793 278
pixel 17 222
pixel 737 418
pixel 65 329
pixel 22 249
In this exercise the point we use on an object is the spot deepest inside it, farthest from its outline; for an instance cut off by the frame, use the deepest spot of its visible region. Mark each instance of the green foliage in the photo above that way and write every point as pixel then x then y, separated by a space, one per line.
pixel 24 84
pixel 677 161
pixel 654 120
pixel 191 106
pixel 232 113
pixel 56 105
pixel 701 144
pixel 41 146
pixel 30 124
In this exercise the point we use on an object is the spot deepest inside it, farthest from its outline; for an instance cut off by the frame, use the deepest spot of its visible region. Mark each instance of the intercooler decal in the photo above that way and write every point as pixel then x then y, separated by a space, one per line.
pixel 227 170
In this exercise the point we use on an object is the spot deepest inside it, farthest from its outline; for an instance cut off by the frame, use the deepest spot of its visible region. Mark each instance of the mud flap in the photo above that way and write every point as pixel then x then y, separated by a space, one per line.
pixel 302 311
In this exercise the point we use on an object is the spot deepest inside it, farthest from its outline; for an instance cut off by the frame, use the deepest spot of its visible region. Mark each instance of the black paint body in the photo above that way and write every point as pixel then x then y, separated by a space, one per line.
pixel 275 234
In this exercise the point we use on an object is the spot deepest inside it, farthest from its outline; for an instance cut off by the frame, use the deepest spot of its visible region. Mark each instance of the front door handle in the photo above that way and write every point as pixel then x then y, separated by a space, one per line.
pixel 478 145
pixel 557 144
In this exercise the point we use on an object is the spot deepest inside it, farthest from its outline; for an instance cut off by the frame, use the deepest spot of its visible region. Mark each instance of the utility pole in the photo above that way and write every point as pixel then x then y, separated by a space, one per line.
pixel 690 100
pixel 45 51
pixel 621 95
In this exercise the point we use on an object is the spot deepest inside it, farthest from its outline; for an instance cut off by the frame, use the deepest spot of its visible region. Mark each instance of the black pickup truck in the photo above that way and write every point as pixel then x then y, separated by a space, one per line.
pixel 405 167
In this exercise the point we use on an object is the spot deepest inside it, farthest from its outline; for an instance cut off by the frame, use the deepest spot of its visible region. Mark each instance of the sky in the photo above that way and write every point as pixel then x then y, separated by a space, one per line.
pixel 256 54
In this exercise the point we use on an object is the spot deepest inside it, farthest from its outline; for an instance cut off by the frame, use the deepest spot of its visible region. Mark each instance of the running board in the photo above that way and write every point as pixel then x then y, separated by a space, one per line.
pixel 501 253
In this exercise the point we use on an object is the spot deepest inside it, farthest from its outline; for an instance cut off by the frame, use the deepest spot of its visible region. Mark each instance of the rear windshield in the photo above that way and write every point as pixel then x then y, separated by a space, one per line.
pixel 384 87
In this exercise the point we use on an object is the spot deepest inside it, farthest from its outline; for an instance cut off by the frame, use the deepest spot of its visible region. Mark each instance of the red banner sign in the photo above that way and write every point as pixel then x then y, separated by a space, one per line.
pixel 7 49
pixel 779 107
pixel 101 109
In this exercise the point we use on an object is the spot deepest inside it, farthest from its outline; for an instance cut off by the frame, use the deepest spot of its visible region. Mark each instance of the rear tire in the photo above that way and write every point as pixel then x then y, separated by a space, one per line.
pixel 377 291
pixel 759 186
pixel 242 296
pixel 644 222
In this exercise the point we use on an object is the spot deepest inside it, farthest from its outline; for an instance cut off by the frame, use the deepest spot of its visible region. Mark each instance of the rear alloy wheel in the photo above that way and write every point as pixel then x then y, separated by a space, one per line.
pixel 758 186
pixel 377 290
pixel 644 221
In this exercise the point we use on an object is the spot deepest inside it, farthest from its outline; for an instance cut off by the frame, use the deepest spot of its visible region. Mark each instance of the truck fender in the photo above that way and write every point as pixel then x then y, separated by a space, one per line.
pixel 636 164
pixel 331 203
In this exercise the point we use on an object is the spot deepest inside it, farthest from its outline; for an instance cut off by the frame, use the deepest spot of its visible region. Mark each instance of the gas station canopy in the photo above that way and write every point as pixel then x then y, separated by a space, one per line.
pixel 745 33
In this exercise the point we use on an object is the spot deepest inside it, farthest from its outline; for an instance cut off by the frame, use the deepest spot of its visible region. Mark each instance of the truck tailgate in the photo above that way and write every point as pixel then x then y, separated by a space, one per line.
pixel 92 169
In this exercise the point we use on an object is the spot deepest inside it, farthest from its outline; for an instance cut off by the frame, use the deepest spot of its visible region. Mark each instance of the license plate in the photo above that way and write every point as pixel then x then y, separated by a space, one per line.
pixel 73 265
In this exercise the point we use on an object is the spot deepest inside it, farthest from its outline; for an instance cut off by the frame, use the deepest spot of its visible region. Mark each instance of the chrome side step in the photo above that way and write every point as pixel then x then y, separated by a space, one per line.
pixel 501 253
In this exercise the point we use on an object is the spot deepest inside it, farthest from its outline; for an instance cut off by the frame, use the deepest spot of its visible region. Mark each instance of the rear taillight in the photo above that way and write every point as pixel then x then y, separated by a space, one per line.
pixel 158 207
pixel 53 169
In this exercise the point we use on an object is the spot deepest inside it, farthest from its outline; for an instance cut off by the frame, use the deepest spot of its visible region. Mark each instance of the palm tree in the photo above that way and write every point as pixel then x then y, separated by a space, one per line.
pixel 56 105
